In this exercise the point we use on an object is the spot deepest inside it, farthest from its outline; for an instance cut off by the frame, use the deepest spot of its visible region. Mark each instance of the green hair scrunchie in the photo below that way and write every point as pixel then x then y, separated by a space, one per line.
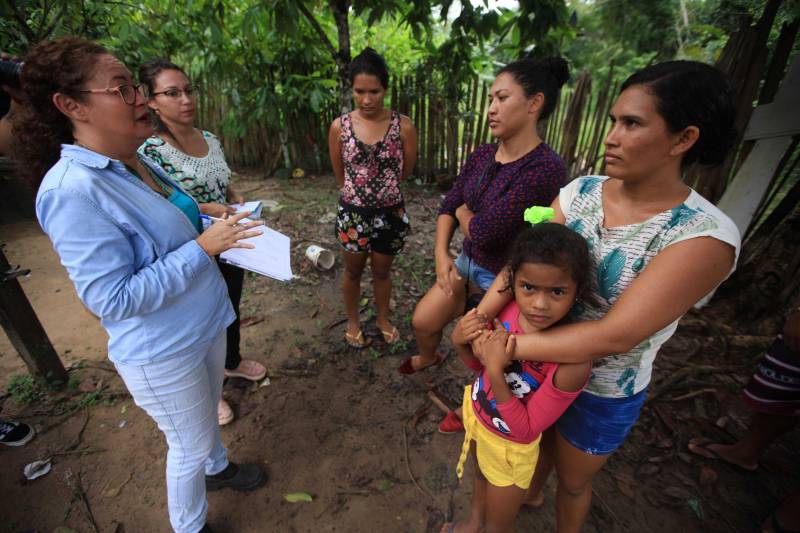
pixel 537 214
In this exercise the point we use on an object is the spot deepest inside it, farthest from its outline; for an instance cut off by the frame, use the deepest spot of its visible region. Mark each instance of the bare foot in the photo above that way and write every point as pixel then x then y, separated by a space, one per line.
pixel 353 329
pixel 354 337
pixel 726 452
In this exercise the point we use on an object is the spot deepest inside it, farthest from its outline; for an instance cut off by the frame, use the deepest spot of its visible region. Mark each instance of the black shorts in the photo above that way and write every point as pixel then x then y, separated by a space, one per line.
pixel 382 230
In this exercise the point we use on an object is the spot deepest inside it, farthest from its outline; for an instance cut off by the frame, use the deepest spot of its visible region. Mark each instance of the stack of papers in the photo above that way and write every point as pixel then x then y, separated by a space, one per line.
pixel 270 257
pixel 253 207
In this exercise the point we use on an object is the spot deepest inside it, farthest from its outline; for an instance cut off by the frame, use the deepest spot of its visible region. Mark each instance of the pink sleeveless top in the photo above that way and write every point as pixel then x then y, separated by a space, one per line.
pixel 372 172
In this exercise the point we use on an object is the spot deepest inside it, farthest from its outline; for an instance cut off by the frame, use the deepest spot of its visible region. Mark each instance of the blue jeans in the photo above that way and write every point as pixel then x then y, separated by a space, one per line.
pixel 476 274
pixel 597 425
pixel 181 394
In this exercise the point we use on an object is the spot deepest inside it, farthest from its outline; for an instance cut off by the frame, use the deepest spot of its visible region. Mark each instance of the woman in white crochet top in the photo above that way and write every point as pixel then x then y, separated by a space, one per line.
pixel 194 159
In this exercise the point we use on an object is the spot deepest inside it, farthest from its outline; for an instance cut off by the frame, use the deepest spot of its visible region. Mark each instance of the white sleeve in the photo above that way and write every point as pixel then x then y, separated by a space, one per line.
pixel 567 194
pixel 716 225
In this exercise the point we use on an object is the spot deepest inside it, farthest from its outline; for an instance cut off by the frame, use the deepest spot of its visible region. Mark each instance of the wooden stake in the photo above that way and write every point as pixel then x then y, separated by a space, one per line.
pixel 25 331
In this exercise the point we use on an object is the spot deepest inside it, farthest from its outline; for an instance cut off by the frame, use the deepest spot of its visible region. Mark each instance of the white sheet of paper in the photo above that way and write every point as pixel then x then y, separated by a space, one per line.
pixel 270 257
pixel 253 207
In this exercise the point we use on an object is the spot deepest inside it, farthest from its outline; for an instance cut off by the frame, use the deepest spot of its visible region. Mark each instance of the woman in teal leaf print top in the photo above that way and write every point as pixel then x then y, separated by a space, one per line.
pixel 657 246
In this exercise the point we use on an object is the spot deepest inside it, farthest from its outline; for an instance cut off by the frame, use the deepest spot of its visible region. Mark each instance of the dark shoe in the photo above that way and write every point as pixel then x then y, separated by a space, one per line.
pixel 15 433
pixel 237 477
pixel 206 529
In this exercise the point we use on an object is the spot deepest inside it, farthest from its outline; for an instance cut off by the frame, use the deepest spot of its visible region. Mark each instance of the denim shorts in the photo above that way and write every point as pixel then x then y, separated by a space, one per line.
pixel 598 425
pixel 476 274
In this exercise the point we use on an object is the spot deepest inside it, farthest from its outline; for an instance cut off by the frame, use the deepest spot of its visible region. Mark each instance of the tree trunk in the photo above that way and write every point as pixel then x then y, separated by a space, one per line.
pixel 24 330
pixel 340 9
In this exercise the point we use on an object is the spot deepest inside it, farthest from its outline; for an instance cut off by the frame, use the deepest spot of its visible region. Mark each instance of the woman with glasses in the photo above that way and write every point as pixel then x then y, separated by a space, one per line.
pixel 194 159
pixel 130 240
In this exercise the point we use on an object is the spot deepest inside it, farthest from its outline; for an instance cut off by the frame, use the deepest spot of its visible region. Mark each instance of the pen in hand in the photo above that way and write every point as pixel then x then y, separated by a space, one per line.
pixel 217 219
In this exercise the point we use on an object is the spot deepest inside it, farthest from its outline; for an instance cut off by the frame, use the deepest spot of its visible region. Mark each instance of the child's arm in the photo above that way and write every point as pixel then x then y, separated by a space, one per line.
pixel 496 298
pixel 464 353
pixel 491 349
pixel 548 403
pixel 468 329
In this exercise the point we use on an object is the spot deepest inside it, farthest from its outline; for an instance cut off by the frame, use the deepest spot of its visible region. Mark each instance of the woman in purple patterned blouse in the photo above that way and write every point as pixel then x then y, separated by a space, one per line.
pixel 497 183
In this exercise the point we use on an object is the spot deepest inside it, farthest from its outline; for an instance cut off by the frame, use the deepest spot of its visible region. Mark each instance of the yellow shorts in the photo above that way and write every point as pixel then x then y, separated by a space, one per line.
pixel 502 462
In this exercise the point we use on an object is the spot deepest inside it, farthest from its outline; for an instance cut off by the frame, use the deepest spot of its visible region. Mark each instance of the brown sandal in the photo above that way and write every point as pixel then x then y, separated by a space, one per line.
pixel 357 341
pixel 391 336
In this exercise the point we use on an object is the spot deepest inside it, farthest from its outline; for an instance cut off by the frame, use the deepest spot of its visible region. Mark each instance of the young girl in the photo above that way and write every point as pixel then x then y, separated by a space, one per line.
pixel 511 402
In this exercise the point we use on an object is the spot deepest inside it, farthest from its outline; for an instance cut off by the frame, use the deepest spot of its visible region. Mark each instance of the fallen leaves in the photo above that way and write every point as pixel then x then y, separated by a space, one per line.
pixel 297 497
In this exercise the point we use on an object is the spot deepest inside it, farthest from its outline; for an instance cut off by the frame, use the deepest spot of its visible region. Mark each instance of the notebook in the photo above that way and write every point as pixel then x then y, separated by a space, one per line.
pixel 270 257
pixel 253 207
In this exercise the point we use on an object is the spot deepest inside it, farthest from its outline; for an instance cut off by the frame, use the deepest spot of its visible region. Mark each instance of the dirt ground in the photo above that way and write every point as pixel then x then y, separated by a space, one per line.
pixel 342 426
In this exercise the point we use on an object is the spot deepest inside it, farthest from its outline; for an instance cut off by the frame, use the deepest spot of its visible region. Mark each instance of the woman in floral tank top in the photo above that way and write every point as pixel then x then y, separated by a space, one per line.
pixel 372 150
pixel 657 247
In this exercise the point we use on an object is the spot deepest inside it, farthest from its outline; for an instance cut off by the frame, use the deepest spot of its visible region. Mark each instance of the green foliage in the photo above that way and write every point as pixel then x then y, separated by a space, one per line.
pixel 87 400
pixel 270 78
pixel 642 25
pixel 24 389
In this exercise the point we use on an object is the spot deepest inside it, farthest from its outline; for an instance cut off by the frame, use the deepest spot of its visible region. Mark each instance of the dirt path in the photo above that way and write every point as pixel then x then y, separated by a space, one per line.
pixel 342 425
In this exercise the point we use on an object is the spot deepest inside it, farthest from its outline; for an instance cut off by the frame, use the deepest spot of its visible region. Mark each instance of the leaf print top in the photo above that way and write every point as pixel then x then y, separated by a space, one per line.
pixel 204 178
pixel 619 255
pixel 372 172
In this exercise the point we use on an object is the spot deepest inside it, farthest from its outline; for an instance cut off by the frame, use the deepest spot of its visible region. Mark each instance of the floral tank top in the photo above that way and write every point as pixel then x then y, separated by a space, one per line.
pixel 619 255
pixel 372 172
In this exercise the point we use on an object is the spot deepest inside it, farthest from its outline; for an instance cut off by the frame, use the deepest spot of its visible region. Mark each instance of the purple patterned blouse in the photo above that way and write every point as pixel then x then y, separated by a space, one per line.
pixel 500 197
pixel 372 172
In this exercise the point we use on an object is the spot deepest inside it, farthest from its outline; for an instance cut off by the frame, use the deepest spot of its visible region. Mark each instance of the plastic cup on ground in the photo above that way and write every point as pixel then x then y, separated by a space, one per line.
pixel 320 257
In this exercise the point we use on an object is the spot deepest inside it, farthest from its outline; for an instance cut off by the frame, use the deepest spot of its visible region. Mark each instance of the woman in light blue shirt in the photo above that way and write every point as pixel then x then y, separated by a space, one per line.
pixel 129 239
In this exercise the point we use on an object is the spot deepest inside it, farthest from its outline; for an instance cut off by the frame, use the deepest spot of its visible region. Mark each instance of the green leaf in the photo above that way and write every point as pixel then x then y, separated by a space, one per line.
pixel 295 497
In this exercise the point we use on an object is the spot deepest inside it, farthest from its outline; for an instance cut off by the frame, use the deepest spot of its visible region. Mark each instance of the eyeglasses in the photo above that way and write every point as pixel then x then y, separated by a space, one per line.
pixel 126 92
pixel 176 94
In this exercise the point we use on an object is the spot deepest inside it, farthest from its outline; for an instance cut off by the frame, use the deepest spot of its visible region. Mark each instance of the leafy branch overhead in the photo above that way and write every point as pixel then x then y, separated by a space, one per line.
pixel 274 73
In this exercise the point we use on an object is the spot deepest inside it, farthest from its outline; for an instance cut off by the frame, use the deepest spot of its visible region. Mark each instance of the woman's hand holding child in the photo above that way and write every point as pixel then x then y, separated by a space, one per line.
pixel 495 349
